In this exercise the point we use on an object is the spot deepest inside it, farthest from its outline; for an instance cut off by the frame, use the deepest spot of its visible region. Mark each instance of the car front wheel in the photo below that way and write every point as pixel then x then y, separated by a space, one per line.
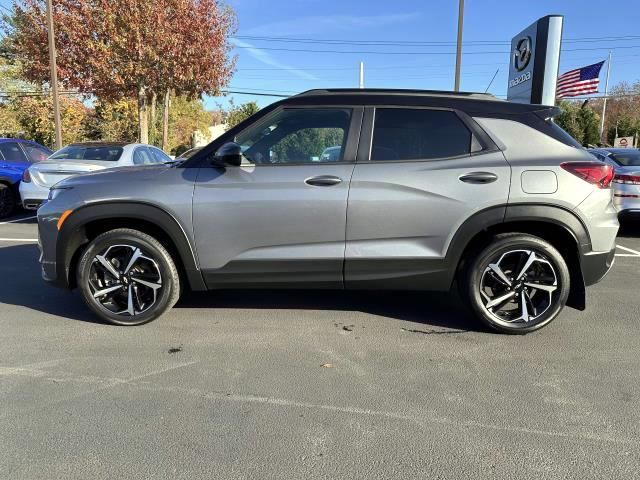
pixel 7 200
pixel 517 284
pixel 127 277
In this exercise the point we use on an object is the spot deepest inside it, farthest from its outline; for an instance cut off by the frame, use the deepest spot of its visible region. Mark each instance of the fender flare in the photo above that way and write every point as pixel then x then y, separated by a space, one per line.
pixel 73 235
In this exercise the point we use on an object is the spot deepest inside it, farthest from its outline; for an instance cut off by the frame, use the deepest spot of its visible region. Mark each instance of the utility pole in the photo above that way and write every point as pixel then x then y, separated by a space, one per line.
pixel 361 74
pixel 604 101
pixel 54 76
pixel 459 46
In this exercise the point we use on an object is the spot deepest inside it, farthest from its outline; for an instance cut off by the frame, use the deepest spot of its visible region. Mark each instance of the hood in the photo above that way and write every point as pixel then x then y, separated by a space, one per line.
pixel 117 175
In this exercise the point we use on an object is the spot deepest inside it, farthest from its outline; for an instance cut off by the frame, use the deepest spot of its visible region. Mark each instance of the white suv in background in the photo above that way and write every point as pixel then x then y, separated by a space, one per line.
pixel 81 158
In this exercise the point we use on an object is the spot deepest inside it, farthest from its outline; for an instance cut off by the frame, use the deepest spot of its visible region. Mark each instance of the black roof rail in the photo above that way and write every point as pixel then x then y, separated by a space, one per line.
pixel 397 91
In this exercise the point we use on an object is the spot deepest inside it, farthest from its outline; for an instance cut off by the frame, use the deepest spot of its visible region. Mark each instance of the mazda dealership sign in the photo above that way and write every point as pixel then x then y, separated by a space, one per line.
pixel 534 62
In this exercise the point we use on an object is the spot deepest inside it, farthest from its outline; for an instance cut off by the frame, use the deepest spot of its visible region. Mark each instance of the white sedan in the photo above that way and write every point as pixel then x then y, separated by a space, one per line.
pixel 81 158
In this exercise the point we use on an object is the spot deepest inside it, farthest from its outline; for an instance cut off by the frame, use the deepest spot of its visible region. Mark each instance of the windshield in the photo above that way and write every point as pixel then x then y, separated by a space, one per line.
pixel 102 153
pixel 627 159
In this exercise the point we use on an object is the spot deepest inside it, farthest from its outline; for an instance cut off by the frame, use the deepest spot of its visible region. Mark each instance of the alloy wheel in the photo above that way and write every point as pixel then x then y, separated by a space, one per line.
pixel 519 287
pixel 124 280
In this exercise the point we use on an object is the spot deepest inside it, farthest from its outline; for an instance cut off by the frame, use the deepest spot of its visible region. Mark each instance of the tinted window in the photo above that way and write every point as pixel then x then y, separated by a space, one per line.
pixel 142 156
pixel 627 159
pixel 36 153
pixel 159 156
pixel 79 152
pixel 297 136
pixel 12 152
pixel 412 134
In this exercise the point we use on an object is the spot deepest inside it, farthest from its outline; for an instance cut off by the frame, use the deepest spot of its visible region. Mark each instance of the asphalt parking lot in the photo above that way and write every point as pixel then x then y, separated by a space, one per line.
pixel 314 385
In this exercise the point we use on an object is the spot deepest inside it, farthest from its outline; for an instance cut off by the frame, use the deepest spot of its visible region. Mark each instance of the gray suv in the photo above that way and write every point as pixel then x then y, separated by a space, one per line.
pixel 429 190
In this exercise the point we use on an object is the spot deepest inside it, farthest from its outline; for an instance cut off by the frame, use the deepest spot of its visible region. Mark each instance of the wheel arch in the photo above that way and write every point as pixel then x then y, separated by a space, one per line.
pixel 89 221
pixel 559 226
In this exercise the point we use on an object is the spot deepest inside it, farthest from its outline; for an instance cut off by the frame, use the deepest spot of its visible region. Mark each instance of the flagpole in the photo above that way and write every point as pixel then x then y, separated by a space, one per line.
pixel 606 93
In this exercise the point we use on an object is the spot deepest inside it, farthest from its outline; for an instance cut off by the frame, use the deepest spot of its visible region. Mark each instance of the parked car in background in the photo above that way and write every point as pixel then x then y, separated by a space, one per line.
pixel 188 153
pixel 626 182
pixel 429 187
pixel 16 155
pixel 79 158
pixel 331 154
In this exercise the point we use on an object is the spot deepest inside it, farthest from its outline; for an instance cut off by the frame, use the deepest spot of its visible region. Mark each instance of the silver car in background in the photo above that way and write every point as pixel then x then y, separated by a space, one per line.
pixel 81 158
pixel 626 183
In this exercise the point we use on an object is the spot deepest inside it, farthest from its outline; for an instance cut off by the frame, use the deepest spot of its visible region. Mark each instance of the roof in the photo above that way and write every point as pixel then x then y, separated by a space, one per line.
pixel 99 144
pixel 469 102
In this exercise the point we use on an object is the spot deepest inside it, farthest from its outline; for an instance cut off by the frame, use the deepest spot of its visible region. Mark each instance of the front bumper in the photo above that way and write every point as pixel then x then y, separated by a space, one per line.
pixel 596 265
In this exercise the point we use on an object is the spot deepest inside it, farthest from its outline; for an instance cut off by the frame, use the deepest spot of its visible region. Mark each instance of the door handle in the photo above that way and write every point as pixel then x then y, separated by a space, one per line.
pixel 323 181
pixel 478 177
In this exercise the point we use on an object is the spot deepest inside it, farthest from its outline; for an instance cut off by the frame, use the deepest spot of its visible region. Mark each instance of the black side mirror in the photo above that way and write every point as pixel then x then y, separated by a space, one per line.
pixel 229 154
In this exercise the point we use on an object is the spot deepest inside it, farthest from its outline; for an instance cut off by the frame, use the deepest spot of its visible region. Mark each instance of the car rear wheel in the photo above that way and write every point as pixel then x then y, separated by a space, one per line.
pixel 7 200
pixel 517 284
pixel 127 277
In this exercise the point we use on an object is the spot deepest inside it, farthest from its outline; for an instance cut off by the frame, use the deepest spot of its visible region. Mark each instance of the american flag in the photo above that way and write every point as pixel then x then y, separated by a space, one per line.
pixel 580 81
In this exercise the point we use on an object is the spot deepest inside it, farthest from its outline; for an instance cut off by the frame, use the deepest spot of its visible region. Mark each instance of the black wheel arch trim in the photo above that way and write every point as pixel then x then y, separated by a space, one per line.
pixel 512 213
pixel 72 235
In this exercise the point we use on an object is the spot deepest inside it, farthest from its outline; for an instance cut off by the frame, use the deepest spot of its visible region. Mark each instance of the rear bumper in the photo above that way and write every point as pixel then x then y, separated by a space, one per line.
pixel 596 265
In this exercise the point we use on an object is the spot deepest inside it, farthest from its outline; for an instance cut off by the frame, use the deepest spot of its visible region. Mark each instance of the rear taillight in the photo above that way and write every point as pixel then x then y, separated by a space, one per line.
pixel 596 173
pixel 26 176
pixel 627 179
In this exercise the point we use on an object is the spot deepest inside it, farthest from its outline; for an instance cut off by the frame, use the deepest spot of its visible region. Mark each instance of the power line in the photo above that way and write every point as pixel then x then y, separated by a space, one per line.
pixel 330 41
pixel 373 52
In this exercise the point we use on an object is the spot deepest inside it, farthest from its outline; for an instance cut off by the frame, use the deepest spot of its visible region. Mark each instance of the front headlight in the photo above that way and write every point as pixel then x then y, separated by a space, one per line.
pixel 55 191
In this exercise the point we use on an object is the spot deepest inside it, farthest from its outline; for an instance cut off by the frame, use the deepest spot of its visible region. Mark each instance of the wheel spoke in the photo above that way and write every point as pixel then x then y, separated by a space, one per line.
pixel 523 307
pixel 104 291
pixel 501 299
pixel 155 286
pixel 130 310
pixel 528 263
pixel 137 253
pixel 495 268
pixel 528 299
pixel 108 266
pixel 539 286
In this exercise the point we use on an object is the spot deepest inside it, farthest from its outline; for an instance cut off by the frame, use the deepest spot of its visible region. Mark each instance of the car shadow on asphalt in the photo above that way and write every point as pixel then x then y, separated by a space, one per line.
pixel 22 285
pixel 628 229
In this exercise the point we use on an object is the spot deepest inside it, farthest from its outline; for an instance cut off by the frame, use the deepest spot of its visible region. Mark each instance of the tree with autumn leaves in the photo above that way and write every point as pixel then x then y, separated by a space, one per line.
pixel 118 49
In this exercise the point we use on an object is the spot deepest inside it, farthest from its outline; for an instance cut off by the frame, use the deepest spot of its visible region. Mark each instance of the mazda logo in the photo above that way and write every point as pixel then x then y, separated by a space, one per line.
pixel 522 54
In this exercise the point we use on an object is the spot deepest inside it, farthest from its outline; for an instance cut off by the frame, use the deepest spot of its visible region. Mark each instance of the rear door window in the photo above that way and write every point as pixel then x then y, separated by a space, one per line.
pixel 142 156
pixel 12 152
pixel 159 156
pixel 418 134
pixel 36 153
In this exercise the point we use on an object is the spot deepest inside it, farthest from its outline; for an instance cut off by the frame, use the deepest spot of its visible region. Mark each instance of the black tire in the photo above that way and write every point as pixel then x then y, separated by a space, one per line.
pixel 155 260
pixel 7 200
pixel 481 285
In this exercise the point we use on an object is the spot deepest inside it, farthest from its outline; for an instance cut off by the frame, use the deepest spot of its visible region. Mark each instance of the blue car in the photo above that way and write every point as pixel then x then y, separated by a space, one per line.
pixel 16 156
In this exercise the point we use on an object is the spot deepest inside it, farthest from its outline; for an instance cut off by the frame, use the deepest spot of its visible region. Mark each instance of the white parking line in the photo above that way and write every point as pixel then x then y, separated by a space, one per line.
pixel 18 239
pixel 17 220
pixel 634 252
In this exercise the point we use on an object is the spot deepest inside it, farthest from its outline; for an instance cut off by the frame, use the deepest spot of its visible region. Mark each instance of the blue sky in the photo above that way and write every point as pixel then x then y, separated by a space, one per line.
pixel 264 66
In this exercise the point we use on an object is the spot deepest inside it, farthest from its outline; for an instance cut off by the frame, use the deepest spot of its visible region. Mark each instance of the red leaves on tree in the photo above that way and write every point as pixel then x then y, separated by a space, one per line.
pixel 116 48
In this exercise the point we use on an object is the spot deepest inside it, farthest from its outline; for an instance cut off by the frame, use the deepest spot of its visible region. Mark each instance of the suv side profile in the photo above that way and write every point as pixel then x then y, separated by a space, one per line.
pixel 429 190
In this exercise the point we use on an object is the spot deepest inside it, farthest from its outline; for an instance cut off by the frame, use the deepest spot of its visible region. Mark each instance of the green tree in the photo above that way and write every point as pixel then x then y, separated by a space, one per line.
pixel 113 121
pixel 309 142
pixel 238 113
pixel 625 126
pixel 185 117
pixel 34 114
pixel 580 121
